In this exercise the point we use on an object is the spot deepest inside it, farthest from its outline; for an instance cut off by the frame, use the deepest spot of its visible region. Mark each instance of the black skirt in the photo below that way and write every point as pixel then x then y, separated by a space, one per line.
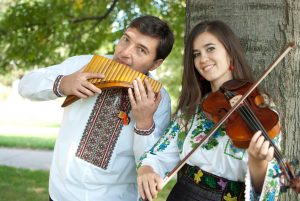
pixel 194 184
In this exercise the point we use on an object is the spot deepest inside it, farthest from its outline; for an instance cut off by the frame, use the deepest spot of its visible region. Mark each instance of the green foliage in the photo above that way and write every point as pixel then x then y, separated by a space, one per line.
pixel 37 33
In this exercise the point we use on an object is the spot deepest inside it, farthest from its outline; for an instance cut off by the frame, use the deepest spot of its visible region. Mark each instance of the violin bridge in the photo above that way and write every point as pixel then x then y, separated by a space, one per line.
pixel 235 99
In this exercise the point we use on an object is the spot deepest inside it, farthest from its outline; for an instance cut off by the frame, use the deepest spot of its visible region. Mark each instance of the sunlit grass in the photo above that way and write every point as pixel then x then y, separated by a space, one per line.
pixel 18 184
pixel 162 196
pixel 28 141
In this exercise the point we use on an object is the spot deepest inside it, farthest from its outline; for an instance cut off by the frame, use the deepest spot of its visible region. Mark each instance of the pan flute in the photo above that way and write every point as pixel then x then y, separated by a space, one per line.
pixel 116 75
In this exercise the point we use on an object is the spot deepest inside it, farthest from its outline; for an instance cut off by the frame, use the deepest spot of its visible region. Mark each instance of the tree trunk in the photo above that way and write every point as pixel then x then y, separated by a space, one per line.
pixel 265 27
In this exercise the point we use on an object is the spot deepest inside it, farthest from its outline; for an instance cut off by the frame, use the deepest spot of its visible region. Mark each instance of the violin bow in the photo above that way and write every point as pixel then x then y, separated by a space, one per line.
pixel 225 117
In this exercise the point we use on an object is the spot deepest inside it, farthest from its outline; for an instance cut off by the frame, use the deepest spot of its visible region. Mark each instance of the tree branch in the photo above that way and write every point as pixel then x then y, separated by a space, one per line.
pixel 97 18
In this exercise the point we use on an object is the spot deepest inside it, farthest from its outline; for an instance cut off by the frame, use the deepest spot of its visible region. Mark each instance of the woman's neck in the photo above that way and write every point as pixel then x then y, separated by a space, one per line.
pixel 216 84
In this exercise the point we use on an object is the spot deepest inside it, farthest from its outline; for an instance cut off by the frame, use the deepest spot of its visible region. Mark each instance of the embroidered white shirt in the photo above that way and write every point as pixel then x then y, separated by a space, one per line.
pixel 72 178
pixel 217 156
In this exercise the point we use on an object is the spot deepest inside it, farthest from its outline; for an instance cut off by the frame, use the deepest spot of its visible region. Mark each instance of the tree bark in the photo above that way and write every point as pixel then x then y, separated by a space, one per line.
pixel 265 28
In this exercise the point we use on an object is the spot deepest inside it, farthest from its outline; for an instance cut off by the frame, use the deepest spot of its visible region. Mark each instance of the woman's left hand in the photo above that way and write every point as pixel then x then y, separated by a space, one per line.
pixel 259 153
pixel 259 148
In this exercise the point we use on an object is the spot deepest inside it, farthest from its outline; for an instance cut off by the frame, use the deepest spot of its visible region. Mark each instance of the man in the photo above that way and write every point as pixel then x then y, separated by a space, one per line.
pixel 95 152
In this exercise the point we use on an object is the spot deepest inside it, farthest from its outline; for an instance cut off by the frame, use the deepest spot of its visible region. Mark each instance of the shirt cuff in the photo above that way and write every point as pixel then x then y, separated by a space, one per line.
pixel 145 132
pixel 56 86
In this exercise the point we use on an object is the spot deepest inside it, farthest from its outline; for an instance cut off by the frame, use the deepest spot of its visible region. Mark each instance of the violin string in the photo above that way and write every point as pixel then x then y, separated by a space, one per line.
pixel 256 125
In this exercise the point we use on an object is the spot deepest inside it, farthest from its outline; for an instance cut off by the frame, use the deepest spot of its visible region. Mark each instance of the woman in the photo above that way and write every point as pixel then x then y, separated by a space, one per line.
pixel 217 170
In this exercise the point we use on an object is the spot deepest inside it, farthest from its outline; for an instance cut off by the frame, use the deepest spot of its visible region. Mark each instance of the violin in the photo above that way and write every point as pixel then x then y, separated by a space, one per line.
pixel 240 107
pixel 252 115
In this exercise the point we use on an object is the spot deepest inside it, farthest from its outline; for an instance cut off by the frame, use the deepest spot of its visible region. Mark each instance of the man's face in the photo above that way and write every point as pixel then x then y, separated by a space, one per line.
pixel 137 51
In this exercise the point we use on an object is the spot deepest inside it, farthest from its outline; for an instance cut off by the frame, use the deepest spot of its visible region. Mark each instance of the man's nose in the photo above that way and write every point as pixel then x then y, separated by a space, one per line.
pixel 127 51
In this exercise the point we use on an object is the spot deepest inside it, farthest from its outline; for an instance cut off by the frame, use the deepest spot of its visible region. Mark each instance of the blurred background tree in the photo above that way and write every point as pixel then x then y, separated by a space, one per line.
pixel 39 33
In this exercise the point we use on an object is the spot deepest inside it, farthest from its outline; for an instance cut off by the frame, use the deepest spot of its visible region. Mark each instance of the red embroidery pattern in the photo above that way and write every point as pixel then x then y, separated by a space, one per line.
pixel 103 128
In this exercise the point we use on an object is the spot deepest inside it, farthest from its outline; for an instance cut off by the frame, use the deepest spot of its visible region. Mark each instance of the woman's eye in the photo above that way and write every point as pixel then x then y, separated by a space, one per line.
pixel 209 49
pixel 196 54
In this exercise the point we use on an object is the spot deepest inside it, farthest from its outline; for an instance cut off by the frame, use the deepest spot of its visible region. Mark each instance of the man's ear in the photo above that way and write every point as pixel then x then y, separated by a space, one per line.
pixel 156 63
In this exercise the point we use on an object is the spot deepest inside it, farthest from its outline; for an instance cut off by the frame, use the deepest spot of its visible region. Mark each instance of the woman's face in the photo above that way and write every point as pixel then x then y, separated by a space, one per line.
pixel 211 59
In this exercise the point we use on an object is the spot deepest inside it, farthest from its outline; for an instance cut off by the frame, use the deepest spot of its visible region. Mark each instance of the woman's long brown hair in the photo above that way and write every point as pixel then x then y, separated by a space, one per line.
pixel 194 88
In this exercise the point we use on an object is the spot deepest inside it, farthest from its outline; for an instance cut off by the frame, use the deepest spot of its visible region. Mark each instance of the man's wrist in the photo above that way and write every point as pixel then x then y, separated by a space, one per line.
pixel 56 85
pixel 145 131
pixel 144 125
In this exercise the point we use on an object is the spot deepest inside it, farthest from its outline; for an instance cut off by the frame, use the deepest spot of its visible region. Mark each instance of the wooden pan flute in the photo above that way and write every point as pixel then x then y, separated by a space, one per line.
pixel 116 75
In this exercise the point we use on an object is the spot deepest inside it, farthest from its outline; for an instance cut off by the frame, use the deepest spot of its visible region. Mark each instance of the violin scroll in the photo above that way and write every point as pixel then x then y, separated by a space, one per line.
pixel 289 179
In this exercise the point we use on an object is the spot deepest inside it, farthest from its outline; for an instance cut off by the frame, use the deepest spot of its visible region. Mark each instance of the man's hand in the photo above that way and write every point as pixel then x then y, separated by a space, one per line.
pixel 77 84
pixel 143 103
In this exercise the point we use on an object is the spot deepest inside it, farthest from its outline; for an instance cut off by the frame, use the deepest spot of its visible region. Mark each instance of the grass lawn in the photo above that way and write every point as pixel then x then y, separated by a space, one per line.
pixel 162 196
pixel 32 142
pixel 17 184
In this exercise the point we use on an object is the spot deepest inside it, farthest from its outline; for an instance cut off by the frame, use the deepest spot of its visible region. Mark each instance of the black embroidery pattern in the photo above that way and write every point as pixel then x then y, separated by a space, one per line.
pixel 103 127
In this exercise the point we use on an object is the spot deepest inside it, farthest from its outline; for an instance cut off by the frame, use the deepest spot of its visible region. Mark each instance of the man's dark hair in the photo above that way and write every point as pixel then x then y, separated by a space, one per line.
pixel 156 28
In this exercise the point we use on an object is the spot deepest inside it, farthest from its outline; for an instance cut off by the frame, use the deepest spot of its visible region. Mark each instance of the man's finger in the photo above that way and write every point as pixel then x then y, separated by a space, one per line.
pixel 136 91
pixel 94 75
pixel 131 98
pixel 158 99
pixel 141 89
pixel 86 91
pixel 79 94
pixel 150 92
pixel 91 87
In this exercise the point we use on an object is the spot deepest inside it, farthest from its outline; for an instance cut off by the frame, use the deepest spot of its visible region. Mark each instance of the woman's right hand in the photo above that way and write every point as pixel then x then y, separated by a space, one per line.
pixel 149 183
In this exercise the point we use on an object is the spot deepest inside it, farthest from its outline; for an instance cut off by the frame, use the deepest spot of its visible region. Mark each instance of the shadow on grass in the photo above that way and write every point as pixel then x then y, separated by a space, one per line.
pixel 23 185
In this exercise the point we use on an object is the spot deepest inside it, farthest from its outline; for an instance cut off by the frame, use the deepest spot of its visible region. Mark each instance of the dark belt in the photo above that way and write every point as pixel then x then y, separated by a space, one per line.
pixel 230 189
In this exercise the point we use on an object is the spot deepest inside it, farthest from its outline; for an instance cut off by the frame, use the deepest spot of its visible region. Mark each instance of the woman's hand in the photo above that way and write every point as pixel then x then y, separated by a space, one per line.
pixel 259 148
pixel 149 183
pixel 259 153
